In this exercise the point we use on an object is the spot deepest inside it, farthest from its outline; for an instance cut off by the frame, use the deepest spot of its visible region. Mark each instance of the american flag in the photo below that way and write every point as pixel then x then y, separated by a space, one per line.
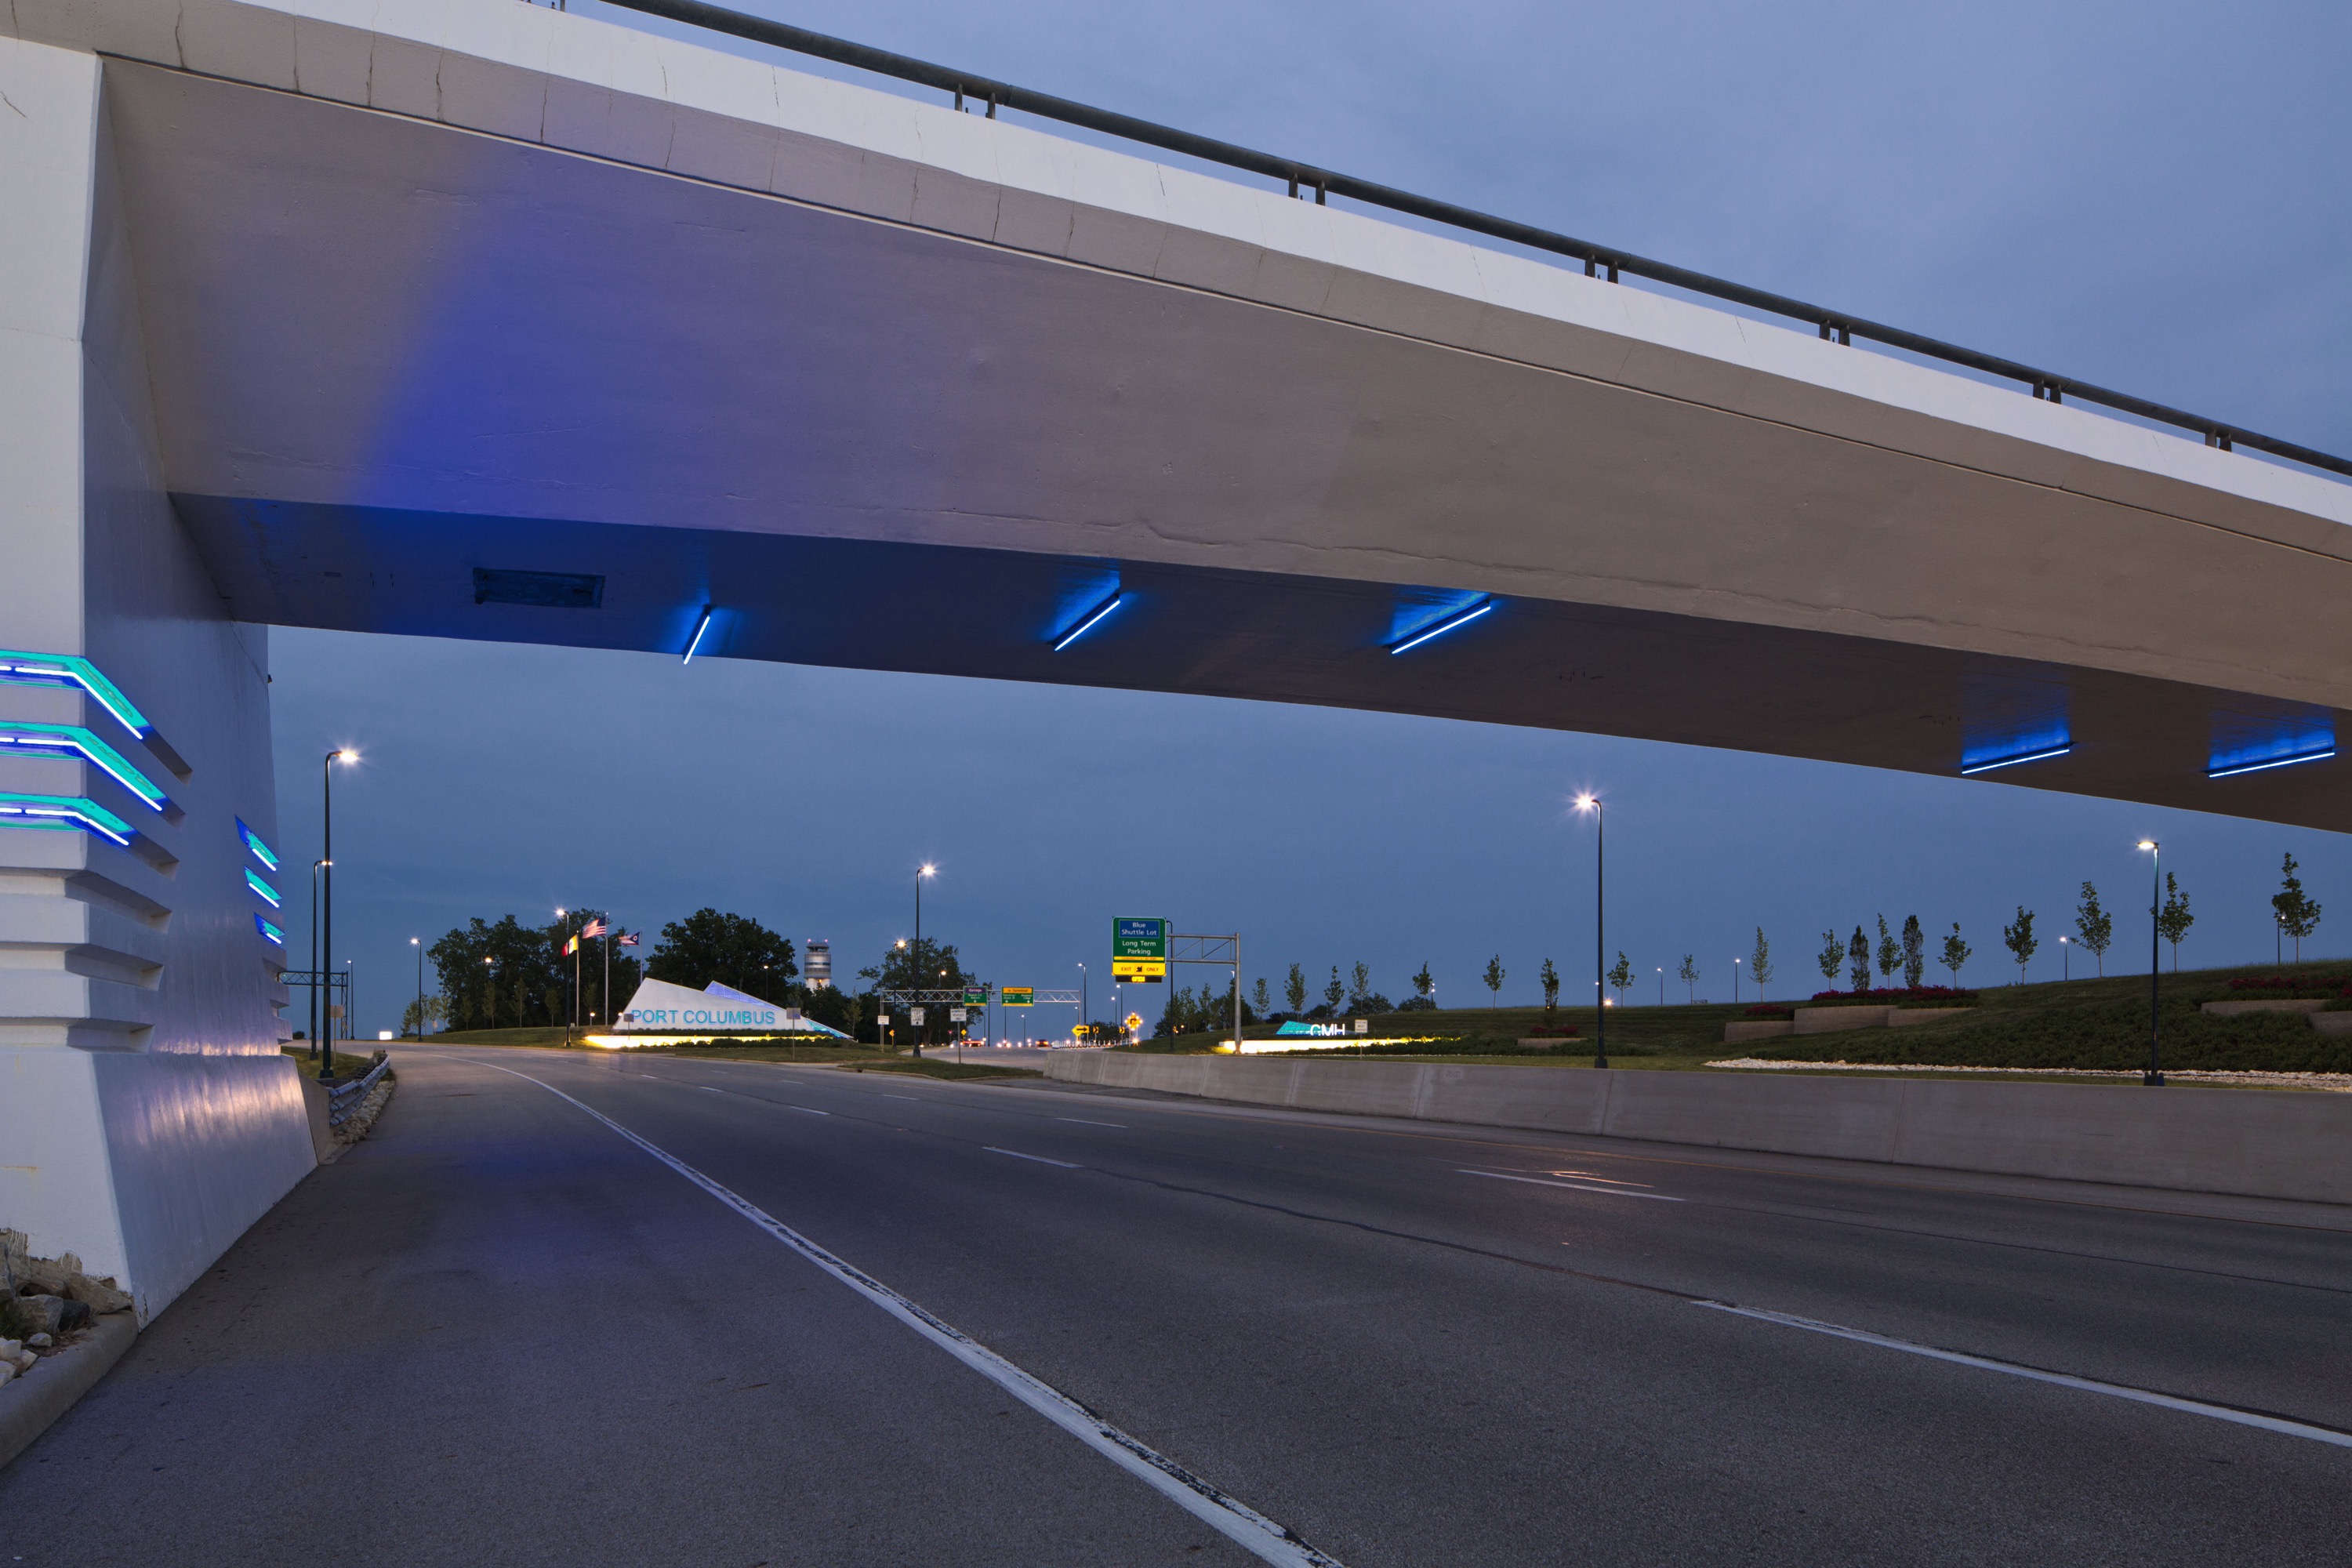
pixel 595 928
pixel 629 938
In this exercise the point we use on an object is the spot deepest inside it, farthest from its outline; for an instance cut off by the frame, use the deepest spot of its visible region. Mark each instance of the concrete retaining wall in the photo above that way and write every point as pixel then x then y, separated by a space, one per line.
pixel 2278 1144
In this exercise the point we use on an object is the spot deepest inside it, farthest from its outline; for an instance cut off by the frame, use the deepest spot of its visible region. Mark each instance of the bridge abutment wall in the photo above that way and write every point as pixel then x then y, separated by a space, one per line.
pixel 146 1114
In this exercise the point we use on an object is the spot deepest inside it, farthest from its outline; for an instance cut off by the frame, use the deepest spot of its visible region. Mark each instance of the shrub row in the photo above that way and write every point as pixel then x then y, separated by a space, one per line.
pixel 2109 1036
pixel 1897 995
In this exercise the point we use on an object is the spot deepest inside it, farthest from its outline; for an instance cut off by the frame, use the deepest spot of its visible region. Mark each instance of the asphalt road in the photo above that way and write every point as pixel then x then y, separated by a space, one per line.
pixel 502 1332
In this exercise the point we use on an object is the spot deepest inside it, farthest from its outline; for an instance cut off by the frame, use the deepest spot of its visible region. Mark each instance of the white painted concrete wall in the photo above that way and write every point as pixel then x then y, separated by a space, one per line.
pixel 146 1116
pixel 2253 1143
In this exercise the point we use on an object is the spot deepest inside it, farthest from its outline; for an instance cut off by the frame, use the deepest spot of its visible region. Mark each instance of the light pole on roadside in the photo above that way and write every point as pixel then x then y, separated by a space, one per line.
pixel 1735 983
pixel 915 956
pixel 2065 948
pixel 2154 1077
pixel 1079 1033
pixel 419 945
pixel 327 872
pixel 1599 939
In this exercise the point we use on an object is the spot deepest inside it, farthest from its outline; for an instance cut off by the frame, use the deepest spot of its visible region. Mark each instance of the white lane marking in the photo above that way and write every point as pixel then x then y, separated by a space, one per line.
pixel 640 1075
pixel 1572 1186
pixel 2062 1380
pixel 1230 1517
pixel 905 1097
pixel 805 1110
pixel 708 1090
pixel 1039 1158
pixel 1605 1180
pixel 1084 1123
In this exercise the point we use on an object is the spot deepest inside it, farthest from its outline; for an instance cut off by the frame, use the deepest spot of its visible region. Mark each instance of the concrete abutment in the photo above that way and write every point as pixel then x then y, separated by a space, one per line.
pixel 146 1115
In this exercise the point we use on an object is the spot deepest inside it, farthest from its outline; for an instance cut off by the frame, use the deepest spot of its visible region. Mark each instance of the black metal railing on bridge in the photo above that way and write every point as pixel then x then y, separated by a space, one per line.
pixel 1600 260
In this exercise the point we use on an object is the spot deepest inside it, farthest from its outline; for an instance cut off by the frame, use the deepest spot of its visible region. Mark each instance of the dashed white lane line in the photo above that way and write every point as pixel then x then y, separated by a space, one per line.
pixel 1572 1186
pixel 1229 1516
pixel 916 1098
pixel 2278 1424
pixel 1041 1159
pixel 807 1110
pixel 1084 1123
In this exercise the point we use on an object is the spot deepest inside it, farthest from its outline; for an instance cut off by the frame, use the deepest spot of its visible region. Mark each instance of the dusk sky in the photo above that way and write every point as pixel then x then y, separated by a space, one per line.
pixel 2147 196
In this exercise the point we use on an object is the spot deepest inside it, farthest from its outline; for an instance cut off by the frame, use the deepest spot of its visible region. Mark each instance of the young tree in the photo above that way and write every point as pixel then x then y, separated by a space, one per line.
pixel 1494 979
pixel 1955 953
pixel 1294 990
pixel 1915 952
pixel 2298 916
pixel 1424 985
pixel 2173 922
pixel 2021 941
pixel 1360 990
pixel 1688 975
pixel 1759 964
pixel 1857 953
pixel 1334 993
pixel 1832 953
pixel 2093 926
pixel 1264 1001
pixel 1890 955
pixel 1620 978
pixel 1550 978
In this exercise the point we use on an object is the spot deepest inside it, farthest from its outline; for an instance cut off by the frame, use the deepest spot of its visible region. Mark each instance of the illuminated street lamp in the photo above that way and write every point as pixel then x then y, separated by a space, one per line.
pixel 327 868
pixel 418 943
pixel 1599 942
pixel 2065 971
pixel 2154 1077
pixel 928 870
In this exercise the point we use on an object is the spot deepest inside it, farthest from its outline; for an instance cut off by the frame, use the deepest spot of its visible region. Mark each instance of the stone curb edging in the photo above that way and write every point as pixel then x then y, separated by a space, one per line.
pixel 51 1389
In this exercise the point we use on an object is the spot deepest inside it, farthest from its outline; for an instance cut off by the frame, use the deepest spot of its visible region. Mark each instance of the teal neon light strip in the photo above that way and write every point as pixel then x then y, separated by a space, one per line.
pixel 268 931
pixel 64 670
pixel 264 889
pixel 75 738
pixel 253 842
pixel 63 811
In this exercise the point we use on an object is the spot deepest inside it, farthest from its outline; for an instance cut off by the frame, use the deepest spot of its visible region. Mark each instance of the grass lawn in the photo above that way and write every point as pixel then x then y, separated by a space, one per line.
pixel 2092 1025
pixel 537 1035
pixel 345 1059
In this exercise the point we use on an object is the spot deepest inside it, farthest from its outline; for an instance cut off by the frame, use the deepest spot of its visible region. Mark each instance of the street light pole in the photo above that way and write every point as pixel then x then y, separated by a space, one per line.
pixel 1600 932
pixel 419 946
pixel 916 955
pixel 2154 1077
pixel 327 869
pixel 2065 953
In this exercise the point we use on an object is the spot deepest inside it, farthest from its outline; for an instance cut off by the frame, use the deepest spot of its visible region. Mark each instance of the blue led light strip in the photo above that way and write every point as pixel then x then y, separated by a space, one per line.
pixel 2041 755
pixel 1086 622
pixel 700 626
pixel 253 842
pixel 57 739
pixel 63 811
pixel 1450 622
pixel 2234 769
pixel 268 931
pixel 62 669
pixel 264 889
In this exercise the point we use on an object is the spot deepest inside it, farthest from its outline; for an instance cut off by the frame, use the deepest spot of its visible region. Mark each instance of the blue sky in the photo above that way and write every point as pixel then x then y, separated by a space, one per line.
pixel 2151 196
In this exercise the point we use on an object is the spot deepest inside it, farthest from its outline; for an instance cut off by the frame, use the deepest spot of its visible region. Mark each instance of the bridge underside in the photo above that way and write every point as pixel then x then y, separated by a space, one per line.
pixel 389 353
pixel 934 609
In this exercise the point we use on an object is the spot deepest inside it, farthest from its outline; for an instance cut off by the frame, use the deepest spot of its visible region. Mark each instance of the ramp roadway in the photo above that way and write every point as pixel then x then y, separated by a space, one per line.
pixel 501 1331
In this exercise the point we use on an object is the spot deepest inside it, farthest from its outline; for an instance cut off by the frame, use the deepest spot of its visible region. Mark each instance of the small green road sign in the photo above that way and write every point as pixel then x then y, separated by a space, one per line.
pixel 975 998
pixel 1018 996
pixel 1133 938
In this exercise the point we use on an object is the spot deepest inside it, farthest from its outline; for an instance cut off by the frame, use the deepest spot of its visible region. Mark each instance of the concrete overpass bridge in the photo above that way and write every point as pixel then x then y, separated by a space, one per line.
pixel 476 320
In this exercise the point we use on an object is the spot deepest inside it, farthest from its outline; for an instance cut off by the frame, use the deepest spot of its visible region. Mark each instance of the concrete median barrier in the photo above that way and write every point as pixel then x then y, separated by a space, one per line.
pixel 2256 1143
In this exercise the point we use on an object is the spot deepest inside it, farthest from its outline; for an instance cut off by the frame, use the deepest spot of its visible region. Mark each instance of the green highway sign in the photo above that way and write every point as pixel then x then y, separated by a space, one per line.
pixel 1018 996
pixel 975 998
pixel 1132 938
